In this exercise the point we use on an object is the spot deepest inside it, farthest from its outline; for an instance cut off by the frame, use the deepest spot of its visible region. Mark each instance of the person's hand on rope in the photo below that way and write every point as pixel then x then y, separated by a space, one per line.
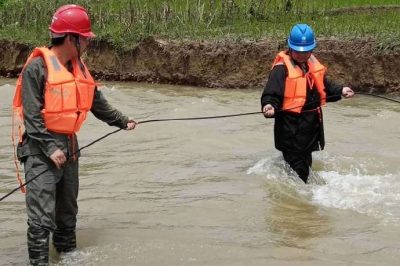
pixel 58 158
pixel 347 92
pixel 269 111
pixel 131 124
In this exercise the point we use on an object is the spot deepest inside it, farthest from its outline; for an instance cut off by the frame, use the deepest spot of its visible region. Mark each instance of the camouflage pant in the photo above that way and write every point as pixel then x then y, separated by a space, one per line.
pixel 51 202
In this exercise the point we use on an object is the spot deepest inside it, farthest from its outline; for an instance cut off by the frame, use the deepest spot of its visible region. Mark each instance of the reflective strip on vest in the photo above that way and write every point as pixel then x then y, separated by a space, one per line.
pixel 55 63
pixel 68 96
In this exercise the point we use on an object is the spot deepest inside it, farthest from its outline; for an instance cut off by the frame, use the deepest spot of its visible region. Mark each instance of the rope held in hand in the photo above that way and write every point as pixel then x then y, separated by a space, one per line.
pixel 179 119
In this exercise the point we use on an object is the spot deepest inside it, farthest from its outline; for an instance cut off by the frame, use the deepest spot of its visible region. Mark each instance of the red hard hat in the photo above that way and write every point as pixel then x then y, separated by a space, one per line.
pixel 71 19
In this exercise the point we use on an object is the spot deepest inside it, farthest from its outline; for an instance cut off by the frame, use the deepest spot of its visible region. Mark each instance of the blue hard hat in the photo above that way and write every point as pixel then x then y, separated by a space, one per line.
pixel 302 38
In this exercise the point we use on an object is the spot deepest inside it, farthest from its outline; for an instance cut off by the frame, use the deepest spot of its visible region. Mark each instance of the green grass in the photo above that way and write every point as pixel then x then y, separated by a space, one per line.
pixel 125 22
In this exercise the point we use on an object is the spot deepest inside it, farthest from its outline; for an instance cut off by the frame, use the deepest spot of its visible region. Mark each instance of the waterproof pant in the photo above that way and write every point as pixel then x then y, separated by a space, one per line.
pixel 51 202
pixel 300 163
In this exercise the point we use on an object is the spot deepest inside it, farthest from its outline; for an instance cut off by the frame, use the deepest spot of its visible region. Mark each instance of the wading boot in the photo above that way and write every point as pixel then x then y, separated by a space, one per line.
pixel 38 246
pixel 64 240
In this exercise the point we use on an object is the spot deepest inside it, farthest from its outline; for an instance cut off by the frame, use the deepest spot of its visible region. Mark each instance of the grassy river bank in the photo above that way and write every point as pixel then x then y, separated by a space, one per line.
pixel 226 43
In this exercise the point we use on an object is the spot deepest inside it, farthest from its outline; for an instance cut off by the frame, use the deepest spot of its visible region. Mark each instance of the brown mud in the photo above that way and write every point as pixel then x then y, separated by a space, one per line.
pixel 362 64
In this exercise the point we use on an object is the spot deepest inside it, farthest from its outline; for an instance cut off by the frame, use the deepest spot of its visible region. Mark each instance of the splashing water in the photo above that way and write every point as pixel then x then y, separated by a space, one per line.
pixel 350 187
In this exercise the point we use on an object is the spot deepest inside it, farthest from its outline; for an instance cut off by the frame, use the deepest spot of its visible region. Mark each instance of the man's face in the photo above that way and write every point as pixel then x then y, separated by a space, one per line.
pixel 300 57
pixel 83 44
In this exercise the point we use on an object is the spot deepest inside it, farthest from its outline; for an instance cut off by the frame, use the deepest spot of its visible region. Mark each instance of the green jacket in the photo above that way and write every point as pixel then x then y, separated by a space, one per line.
pixel 37 139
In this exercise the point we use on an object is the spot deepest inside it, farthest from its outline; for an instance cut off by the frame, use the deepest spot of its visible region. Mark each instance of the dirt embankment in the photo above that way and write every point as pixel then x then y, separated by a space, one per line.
pixel 358 63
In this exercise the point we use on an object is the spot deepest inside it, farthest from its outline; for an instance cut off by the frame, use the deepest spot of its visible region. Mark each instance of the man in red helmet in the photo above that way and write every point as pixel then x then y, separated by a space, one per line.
pixel 297 87
pixel 53 96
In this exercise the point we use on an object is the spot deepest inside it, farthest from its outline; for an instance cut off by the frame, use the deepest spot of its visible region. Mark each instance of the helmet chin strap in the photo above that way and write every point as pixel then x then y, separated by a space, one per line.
pixel 302 65
pixel 77 43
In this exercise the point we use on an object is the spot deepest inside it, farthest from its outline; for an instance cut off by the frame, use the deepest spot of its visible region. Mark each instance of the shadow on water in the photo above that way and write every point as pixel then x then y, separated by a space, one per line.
pixel 292 219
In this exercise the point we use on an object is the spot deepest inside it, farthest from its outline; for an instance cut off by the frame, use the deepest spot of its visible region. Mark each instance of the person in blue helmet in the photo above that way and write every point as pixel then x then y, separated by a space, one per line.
pixel 296 89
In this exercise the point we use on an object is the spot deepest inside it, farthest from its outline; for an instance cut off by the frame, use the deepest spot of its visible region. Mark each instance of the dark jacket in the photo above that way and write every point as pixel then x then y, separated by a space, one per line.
pixel 294 132
pixel 37 139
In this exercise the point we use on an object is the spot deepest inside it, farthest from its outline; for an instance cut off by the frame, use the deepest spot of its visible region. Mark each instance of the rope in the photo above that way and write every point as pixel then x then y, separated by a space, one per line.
pixel 196 118
pixel 224 116
pixel 379 96
pixel 68 157
pixel 179 119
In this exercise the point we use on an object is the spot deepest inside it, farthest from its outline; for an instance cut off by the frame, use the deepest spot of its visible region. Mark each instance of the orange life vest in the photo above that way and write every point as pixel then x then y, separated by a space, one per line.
pixel 67 96
pixel 296 81
pixel 67 99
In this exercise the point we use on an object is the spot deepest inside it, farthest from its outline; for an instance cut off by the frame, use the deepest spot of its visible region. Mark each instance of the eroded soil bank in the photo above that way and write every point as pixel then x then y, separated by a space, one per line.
pixel 358 63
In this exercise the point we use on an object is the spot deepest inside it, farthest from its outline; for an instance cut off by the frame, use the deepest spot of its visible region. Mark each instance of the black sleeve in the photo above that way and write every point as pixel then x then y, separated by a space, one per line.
pixel 102 110
pixel 274 89
pixel 333 91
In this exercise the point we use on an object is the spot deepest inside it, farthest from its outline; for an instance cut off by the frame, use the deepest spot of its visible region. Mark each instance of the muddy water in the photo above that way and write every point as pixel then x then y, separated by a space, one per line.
pixel 216 192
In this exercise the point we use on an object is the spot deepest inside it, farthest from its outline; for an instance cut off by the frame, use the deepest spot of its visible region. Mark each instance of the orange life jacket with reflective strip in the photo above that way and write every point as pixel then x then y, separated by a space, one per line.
pixel 296 81
pixel 67 96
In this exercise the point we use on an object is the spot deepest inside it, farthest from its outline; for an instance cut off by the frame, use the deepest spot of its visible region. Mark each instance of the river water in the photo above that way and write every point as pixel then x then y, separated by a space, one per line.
pixel 216 192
